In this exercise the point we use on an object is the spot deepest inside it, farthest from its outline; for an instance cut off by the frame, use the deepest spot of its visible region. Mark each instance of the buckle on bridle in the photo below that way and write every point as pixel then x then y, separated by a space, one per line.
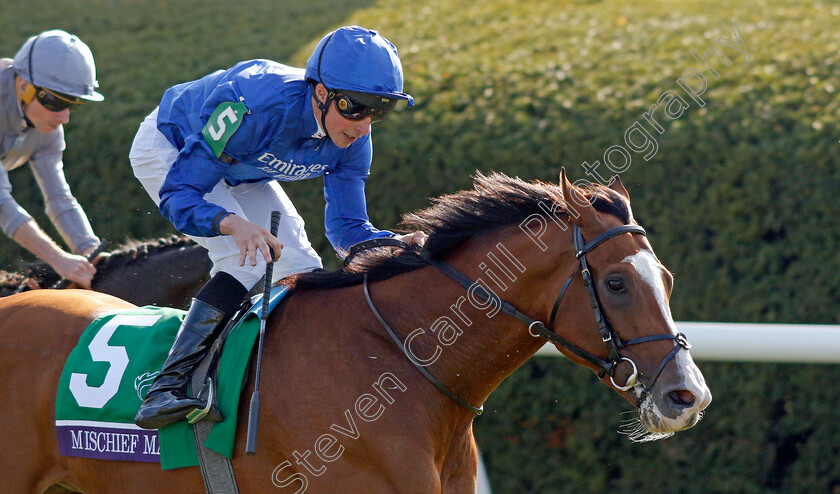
pixel 682 341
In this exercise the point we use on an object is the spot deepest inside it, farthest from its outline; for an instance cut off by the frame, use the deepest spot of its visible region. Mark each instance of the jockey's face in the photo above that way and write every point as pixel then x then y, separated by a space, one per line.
pixel 45 121
pixel 343 131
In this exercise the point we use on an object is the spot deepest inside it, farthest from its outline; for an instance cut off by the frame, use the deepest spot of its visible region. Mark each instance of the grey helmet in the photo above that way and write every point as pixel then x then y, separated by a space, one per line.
pixel 58 61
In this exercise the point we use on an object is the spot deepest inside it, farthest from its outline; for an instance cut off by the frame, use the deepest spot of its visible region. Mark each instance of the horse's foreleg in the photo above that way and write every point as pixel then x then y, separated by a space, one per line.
pixel 460 468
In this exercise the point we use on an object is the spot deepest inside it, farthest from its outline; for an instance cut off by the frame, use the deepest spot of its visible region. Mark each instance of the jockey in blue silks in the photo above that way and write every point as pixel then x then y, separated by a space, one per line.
pixel 211 156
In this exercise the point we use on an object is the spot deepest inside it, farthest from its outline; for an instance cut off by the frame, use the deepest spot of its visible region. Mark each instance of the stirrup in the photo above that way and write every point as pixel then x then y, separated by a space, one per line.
pixel 209 411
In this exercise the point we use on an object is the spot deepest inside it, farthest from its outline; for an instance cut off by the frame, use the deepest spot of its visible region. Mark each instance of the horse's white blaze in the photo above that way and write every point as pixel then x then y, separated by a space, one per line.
pixel 650 271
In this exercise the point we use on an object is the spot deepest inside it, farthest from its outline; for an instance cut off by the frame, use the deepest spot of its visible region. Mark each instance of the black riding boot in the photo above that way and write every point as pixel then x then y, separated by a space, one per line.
pixel 167 401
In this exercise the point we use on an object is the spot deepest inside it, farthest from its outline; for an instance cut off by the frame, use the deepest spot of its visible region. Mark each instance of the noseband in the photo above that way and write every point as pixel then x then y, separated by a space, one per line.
pixel 537 329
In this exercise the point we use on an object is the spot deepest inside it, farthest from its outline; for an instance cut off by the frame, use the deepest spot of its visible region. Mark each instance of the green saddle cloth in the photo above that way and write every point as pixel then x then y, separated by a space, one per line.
pixel 110 371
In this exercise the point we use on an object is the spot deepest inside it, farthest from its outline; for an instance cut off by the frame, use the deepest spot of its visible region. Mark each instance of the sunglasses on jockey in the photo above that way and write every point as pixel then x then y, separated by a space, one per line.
pixel 354 105
pixel 55 101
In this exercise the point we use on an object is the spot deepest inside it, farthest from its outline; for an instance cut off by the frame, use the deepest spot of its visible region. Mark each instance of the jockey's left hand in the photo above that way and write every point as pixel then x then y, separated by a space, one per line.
pixel 417 238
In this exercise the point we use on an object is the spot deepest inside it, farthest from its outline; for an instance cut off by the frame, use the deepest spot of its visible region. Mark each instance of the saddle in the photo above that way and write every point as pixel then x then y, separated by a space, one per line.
pixel 205 378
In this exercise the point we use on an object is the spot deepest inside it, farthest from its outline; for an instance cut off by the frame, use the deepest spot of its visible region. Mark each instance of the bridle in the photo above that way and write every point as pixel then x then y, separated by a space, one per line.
pixel 609 336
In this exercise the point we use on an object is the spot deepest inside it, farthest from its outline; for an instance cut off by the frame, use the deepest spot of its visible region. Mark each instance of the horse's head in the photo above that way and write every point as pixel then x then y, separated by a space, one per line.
pixel 630 330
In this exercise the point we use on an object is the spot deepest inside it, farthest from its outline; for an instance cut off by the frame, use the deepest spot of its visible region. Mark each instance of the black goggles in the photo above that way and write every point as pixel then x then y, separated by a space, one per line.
pixel 352 109
pixel 57 102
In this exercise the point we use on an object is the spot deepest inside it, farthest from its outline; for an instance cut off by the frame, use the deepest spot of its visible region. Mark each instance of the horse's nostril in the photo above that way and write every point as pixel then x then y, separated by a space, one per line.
pixel 681 398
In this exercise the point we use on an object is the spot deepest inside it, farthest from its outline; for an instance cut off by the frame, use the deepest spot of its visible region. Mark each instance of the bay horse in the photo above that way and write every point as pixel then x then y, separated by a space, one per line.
pixel 347 407
pixel 165 272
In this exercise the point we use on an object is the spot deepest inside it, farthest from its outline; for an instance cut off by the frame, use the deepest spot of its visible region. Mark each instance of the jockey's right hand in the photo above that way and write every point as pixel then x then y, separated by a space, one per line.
pixel 75 268
pixel 250 238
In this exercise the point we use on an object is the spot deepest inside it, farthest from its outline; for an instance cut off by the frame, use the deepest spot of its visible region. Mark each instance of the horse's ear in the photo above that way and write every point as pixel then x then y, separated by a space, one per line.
pixel 580 209
pixel 616 185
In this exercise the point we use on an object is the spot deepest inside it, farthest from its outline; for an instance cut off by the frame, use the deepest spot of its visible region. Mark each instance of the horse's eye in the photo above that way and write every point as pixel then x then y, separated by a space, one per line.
pixel 615 285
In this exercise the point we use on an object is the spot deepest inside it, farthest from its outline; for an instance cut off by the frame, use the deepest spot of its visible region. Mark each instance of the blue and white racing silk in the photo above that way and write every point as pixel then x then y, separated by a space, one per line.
pixel 277 138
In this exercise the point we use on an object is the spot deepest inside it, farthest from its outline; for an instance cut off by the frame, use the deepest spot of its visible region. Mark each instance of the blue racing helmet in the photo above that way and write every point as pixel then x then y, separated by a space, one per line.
pixel 361 60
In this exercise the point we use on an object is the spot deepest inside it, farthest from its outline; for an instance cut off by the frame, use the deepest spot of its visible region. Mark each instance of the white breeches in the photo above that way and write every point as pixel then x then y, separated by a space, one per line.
pixel 152 155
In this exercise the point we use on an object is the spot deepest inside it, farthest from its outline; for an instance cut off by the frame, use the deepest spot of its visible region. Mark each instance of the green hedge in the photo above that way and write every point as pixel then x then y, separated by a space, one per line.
pixel 771 428
pixel 740 201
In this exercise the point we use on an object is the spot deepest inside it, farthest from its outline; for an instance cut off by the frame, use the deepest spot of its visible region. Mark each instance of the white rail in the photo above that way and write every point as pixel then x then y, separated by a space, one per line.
pixel 747 342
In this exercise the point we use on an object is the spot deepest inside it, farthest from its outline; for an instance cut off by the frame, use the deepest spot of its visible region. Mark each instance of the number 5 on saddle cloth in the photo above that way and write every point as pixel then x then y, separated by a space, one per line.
pixel 110 370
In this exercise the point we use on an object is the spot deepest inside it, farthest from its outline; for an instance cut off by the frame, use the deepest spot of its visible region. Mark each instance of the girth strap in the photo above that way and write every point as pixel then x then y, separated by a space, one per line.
pixel 216 469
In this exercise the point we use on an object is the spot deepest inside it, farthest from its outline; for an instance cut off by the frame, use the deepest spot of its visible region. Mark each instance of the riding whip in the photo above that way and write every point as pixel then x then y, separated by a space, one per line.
pixel 253 416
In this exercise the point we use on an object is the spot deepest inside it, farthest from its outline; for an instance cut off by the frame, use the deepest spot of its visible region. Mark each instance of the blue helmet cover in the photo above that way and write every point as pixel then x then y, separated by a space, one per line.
pixel 358 59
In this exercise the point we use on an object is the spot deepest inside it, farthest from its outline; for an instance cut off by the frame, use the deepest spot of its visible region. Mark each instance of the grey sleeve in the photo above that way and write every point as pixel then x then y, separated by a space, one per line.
pixel 62 208
pixel 12 216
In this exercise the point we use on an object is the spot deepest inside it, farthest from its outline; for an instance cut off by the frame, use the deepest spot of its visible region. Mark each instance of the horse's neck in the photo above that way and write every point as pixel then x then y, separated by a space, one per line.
pixel 168 276
pixel 477 345
pixel 193 258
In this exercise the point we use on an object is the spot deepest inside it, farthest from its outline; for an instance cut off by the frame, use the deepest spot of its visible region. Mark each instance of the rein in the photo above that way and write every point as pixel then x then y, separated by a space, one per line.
pixel 439 385
pixel 536 328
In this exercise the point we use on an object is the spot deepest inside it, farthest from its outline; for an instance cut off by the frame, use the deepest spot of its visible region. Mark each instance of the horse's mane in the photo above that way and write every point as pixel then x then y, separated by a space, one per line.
pixel 495 201
pixel 135 250
pixel 129 252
